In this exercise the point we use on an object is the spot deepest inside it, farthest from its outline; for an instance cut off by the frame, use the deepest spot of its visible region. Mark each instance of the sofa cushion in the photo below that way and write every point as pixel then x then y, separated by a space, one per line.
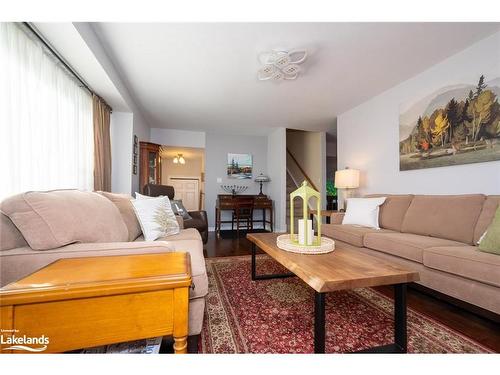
pixel 352 234
pixel 122 202
pixel 465 261
pixel 52 219
pixel 22 261
pixel 190 240
pixel 10 237
pixel 486 217
pixel 453 217
pixel 393 210
pixel 405 245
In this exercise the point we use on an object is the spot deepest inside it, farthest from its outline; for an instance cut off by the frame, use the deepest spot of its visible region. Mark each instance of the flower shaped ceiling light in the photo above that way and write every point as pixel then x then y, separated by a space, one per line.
pixel 281 65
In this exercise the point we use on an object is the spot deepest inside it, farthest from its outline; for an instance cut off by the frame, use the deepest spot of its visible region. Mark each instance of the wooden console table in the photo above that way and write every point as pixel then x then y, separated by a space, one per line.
pixel 85 302
pixel 227 202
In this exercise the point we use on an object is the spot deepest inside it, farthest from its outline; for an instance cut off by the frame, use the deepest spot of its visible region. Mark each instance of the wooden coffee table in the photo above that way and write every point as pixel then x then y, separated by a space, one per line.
pixel 342 269
pixel 86 302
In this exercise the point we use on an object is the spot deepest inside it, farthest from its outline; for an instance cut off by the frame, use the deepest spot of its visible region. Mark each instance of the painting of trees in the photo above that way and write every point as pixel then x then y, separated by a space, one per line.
pixel 465 128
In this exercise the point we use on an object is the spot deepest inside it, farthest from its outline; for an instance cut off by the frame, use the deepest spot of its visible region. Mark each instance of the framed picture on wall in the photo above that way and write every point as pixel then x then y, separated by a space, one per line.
pixel 239 166
pixel 457 124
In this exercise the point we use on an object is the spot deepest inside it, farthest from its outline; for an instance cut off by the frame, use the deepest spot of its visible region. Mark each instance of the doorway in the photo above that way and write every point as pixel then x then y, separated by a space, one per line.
pixel 184 169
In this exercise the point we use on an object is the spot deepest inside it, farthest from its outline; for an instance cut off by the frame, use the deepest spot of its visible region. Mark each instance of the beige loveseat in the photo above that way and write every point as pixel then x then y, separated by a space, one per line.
pixel 71 223
pixel 436 236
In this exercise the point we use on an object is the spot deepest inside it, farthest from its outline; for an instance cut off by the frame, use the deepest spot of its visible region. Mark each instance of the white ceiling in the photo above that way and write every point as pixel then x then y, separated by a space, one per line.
pixel 203 76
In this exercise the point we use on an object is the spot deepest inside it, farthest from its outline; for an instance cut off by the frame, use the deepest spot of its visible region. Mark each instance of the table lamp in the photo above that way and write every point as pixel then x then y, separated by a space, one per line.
pixel 261 179
pixel 347 179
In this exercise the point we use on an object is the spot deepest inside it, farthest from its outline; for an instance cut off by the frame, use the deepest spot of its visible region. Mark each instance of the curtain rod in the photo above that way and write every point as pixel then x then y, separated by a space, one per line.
pixel 58 56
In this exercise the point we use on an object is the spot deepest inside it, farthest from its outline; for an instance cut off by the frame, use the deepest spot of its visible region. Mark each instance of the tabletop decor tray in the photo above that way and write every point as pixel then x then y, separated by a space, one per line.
pixel 284 242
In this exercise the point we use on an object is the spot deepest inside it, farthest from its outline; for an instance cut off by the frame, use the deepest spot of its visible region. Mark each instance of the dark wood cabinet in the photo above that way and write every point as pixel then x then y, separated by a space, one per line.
pixel 150 164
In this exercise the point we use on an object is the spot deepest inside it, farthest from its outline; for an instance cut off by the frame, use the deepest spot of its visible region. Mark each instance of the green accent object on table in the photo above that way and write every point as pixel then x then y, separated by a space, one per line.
pixel 305 235
pixel 491 240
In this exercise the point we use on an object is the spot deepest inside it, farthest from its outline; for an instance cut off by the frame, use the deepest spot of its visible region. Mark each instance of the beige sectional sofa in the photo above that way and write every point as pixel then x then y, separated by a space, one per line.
pixel 71 223
pixel 436 236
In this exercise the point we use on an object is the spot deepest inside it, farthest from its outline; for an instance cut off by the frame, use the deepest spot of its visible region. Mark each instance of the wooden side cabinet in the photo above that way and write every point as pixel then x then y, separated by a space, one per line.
pixel 150 164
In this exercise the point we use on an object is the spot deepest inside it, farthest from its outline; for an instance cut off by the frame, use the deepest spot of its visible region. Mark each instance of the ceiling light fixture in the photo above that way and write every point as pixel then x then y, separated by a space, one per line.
pixel 179 159
pixel 281 65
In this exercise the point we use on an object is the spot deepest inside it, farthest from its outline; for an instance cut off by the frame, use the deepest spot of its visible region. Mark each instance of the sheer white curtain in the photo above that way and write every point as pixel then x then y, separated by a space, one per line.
pixel 46 130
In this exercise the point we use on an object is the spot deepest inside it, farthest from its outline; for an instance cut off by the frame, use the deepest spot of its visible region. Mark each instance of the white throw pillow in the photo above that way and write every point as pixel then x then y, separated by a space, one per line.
pixel 363 211
pixel 156 217
pixel 140 196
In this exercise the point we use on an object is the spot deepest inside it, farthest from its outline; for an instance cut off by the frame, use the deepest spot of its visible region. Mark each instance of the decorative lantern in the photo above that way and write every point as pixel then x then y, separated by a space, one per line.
pixel 305 232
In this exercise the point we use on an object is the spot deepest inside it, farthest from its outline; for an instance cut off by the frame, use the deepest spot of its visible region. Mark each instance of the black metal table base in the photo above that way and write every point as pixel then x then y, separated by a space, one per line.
pixel 265 277
pixel 400 344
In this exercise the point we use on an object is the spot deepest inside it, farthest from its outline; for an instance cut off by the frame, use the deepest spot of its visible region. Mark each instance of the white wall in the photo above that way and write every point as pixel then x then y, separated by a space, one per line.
pixel 176 137
pixel 142 131
pixel 368 135
pixel 276 170
pixel 140 125
pixel 121 152
pixel 218 145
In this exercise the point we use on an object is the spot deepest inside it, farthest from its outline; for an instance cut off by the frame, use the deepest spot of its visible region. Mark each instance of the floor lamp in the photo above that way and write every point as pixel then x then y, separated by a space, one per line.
pixel 347 179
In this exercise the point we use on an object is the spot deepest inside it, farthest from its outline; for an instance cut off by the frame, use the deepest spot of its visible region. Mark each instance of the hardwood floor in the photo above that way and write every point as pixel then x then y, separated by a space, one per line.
pixel 483 330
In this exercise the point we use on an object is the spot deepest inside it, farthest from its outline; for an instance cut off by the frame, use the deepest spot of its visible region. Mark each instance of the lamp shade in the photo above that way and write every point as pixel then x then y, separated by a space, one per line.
pixel 347 179
pixel 262 178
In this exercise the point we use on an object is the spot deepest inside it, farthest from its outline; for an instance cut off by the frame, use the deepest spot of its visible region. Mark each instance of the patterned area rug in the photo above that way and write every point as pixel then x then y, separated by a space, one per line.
pixel 276 316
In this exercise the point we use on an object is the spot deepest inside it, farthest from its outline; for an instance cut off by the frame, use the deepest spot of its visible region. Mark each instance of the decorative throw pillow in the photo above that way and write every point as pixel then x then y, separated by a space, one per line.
pixel 52 219
pixel 122 202
pixel 179 209
pixel 156 217
pixel 490 242
pixel 363 211
pixel 481 238
pixel 140 196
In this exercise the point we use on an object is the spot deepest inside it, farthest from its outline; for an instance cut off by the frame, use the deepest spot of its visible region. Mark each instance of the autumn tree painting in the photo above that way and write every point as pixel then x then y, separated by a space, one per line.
pixel 456 125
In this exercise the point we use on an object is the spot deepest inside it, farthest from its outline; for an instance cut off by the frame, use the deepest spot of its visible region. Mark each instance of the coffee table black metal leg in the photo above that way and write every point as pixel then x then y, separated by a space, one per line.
pixel 265 277
pixel 400 344
pixel 254 250
pixel 319 322
pixel 400 321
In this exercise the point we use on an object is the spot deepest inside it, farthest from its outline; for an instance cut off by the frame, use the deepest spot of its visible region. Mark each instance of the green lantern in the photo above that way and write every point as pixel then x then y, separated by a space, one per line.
pixel 305 233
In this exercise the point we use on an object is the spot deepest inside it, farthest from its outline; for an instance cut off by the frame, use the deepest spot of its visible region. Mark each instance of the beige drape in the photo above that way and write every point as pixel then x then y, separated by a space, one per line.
pixel 102 144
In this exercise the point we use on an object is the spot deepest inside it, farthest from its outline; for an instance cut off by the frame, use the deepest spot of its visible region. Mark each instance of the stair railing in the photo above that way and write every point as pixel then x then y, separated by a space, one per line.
pixel 296 171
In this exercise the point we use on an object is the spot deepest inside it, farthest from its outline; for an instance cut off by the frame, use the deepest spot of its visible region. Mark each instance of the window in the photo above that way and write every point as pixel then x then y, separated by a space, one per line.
pixel 46 130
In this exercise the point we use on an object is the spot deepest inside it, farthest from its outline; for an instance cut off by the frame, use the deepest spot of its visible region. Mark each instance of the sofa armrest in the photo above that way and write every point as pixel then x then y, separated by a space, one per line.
pixel 200 215
pixel 201 223
pixel 337 217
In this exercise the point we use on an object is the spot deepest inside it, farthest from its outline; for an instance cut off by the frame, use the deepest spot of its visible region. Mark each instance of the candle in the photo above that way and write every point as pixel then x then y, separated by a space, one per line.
pixel 303 230
pixel 310 233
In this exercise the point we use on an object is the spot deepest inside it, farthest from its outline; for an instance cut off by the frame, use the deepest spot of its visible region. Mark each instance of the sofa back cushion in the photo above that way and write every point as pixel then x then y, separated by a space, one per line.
pixel 486 217
pixel 10 237
pixel 453 217
pixel 123 203
pixel 393 210
pixel 52 219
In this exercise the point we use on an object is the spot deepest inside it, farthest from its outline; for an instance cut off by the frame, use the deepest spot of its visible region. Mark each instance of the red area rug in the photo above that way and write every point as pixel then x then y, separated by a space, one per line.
pixel 276 316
